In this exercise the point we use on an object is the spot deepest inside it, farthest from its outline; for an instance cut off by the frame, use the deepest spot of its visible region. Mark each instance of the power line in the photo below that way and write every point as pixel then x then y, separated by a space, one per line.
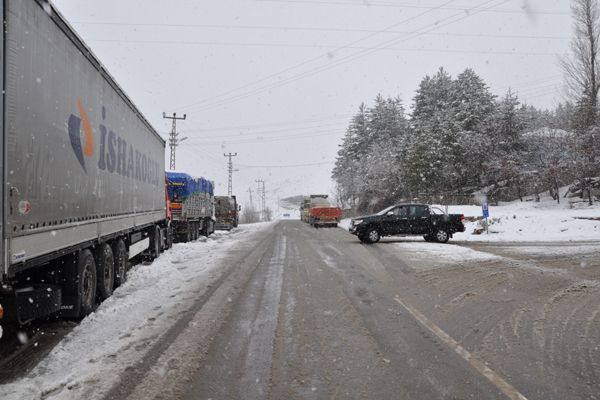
pixel 396 5
pixel 260 190
pixel 288 165
pixel 310 60
pixel 269 134
pixel 174 139
pixel 280 123
pixel 272 138
pixel 320 29
pixel 322 46
pixel 343 60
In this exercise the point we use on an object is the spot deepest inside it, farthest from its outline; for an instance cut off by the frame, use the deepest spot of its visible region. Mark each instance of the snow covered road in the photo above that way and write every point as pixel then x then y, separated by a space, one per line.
pixel 95 354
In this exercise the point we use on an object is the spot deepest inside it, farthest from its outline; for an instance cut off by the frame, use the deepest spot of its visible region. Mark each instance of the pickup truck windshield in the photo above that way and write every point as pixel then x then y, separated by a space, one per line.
pixel 385 210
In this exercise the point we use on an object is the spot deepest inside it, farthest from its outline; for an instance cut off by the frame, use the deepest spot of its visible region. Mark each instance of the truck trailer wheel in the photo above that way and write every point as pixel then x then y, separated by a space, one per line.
pixel 210 228
pixel 155 243
pixel 169 240
pixel 121 258
pixel 187 235
pixel 196 230
pixel 86 282
pixel 105 271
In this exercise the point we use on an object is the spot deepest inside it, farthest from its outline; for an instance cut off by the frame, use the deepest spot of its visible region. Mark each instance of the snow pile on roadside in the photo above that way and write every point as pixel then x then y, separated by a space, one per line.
pixel 90 358
pixel 443 253
pixel 532 222
pixel 345 224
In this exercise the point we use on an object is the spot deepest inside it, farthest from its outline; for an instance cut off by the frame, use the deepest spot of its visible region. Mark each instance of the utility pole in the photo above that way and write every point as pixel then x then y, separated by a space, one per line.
pixel 261 196
pixel 174 139
pixel 264 198
pixel 230 170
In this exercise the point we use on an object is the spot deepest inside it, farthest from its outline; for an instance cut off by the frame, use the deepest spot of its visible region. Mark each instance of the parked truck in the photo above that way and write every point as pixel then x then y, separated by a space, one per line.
pixel 83 183
pixel 318 211
pixel 192 206
pixel 226 212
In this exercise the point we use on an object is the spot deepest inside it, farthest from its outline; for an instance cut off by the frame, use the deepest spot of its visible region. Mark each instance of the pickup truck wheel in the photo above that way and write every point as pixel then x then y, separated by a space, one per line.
pixel 441 236
pixel 105 271
pixel 86 282
pixel 373 235
pixel 121 260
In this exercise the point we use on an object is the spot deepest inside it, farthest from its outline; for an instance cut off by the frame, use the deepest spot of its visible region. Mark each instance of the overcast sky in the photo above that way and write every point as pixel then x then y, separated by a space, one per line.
pixel 277 80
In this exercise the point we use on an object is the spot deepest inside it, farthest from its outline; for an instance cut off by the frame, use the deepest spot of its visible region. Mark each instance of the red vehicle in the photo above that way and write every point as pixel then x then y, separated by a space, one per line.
pixel 322 213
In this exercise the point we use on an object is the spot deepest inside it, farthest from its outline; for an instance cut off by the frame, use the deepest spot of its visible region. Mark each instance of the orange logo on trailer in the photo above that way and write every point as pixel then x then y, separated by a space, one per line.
pixel 115 154
pixel 80 126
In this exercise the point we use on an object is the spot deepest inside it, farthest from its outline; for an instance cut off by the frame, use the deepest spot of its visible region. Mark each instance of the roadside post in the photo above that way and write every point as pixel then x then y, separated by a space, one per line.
pixel 486 213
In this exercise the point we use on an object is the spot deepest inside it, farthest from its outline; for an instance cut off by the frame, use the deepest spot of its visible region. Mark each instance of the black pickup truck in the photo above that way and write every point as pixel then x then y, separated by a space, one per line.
pixel 408 220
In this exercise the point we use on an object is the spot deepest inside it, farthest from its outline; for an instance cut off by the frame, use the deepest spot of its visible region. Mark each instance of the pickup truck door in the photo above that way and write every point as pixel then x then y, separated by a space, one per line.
pixel 396 221
pixel 419 219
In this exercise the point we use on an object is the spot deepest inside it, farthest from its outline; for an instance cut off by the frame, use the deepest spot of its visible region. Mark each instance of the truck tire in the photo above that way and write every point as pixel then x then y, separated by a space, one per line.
pixel 86 283
pixel 195 229
pixel 441 236
pixel 169 240
pixel 155 243
pixel 373 235
pixel 187 235
pixel 121 259
pixel 105 271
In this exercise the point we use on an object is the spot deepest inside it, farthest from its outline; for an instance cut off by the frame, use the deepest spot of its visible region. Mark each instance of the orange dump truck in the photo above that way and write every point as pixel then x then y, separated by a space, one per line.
pixel 321 212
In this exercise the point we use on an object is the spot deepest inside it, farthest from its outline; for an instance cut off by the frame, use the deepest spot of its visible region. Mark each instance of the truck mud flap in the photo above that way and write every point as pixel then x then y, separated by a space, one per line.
pixel 25 305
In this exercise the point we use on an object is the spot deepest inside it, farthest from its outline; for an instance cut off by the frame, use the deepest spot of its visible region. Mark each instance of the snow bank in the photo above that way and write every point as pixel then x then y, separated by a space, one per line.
pixel 125 325
pixel 444 253
pixel 545 221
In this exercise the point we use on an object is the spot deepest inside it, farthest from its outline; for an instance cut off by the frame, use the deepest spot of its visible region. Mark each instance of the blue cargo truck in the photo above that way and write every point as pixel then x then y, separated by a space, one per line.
pixel 191 203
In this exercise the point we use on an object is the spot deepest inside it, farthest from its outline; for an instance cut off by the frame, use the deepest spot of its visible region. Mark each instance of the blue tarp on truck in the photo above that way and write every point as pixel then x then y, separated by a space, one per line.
pixel 181 185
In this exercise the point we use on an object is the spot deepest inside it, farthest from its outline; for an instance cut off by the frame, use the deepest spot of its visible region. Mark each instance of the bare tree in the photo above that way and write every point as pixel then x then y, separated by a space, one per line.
pixel 250 215
pixel 583 84
pixel 581 69
pixel 268 214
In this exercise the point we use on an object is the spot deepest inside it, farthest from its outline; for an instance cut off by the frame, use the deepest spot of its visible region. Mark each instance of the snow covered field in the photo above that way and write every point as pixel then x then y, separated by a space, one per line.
pixel 545 221
pixel 121 329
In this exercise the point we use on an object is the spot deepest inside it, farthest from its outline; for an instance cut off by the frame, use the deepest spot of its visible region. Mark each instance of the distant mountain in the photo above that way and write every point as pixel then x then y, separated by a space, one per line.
pixel 292 202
